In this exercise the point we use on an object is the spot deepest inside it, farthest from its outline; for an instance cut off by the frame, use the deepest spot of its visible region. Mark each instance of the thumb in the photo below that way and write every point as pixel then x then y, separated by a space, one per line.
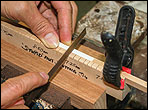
pixel 42 28
pixel 13 88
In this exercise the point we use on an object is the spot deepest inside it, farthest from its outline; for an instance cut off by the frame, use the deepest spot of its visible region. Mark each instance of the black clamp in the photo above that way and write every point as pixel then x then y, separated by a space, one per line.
pixel 119 52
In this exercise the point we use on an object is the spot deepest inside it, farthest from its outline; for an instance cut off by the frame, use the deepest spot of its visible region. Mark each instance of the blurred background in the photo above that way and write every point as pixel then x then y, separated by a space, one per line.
pixel 85 6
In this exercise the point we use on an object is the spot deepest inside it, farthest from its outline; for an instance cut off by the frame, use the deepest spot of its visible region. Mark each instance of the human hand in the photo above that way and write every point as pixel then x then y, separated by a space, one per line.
pixel 49 21
pixel 14 88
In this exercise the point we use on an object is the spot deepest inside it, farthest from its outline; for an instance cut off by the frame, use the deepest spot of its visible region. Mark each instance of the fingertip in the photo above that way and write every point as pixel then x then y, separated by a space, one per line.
pixel 67 42
pixel 44 75
pixel 50 40
pixel 66 36
pixel 37 79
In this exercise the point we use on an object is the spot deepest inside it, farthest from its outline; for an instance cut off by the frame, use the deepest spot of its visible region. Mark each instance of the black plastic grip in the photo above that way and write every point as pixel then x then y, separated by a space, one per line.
pixel 124 33
pixel 112 66
pixel 119 51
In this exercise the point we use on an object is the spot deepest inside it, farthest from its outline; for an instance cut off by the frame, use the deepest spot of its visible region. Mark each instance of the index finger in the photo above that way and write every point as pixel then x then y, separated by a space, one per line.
pixel 64 11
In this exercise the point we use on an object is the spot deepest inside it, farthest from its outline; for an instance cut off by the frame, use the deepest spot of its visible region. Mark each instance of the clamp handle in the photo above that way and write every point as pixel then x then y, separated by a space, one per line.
pixel 119 51
pixel 114 53
pixel 124 33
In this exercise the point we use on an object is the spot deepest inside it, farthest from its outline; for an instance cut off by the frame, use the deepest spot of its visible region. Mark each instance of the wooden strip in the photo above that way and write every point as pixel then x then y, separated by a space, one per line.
pixel 72 55
pixel 82 60
pixel 91 52
pixel 100 68
pixel 86 62
pixel 77 57
pixel 58 48
pixel 83 93
pixel 90 64
pixel 98 62
pixel 135 82
pixel 95 65
pixel 79 53
pixel 61 50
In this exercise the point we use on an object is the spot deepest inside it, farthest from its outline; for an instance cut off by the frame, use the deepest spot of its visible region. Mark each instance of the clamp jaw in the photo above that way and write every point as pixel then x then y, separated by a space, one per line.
pixel 119 52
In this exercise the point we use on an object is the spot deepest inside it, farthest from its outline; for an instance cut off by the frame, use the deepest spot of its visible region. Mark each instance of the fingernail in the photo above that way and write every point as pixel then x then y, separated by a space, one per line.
pixel 50 40
pixel 44 75
pixel 20 101
pixel 67 43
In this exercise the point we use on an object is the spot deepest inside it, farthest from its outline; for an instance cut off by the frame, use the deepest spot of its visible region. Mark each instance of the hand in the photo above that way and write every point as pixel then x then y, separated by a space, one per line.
pixel 49 21
pixel 14 88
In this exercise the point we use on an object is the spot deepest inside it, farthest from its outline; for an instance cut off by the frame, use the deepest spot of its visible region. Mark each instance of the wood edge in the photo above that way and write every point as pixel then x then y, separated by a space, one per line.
pixel 135 81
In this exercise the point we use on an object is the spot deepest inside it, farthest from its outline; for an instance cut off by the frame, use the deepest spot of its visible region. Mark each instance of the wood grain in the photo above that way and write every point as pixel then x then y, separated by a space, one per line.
pixel 83 93
pixel 135 82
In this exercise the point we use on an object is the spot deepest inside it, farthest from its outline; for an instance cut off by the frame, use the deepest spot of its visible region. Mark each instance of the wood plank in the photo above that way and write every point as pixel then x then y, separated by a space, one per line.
pixel 89 63
pixel 61 50
pixel 24 40
pixel 91 52
pixel 83 93
pixel 135 82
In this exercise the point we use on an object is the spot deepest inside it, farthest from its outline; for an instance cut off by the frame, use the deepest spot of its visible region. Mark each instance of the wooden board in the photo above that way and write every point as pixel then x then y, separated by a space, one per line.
pixel 83 93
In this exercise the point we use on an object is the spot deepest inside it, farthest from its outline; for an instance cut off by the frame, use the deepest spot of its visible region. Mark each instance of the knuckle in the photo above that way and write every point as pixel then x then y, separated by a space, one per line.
pixel 15 86
pixel 22 7
pixel 40 28
pixel 23 85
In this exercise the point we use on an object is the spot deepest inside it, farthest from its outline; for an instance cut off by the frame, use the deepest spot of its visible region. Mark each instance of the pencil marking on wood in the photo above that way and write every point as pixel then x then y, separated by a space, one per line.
pixel 41 53
pixel 6 32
